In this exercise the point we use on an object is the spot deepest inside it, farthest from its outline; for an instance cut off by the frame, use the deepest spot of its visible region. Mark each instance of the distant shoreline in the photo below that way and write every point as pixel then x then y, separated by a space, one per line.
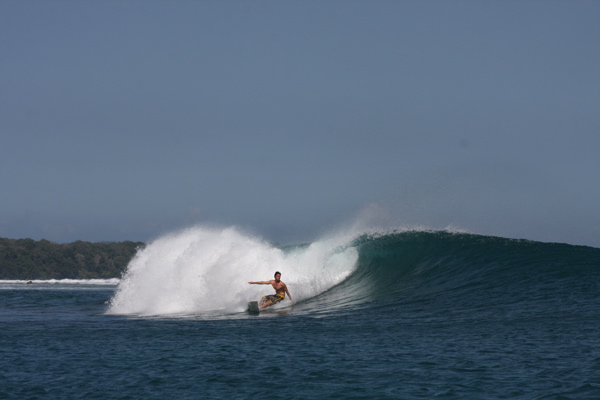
pixel 95 282
pixel 31 260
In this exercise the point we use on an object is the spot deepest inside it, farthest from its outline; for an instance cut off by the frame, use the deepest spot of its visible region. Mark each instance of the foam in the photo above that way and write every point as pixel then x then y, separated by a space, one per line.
pixel 204 269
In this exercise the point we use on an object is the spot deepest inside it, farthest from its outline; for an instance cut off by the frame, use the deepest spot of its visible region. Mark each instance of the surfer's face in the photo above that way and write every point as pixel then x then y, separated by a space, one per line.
pixel 277 277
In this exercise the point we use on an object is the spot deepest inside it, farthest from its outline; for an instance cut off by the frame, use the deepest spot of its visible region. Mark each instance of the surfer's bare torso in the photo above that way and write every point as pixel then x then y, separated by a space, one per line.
pixel 279 287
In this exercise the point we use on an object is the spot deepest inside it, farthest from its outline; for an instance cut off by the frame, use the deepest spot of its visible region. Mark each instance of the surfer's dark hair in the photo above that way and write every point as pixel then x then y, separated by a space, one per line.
pixel 276 272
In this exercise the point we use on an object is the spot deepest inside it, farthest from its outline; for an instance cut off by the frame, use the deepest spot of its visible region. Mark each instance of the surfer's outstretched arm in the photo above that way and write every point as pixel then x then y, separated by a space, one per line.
pixel 260 283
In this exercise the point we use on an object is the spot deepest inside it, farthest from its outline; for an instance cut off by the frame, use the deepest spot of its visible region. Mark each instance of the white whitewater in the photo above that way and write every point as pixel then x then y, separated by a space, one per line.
pixel 204 269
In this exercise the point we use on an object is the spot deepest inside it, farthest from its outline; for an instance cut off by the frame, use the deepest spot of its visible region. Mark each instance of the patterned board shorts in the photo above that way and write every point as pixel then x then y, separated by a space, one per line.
pixel 274 298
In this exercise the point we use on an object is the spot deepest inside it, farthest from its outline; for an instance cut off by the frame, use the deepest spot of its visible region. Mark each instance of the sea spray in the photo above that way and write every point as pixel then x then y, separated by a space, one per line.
pixel 204 269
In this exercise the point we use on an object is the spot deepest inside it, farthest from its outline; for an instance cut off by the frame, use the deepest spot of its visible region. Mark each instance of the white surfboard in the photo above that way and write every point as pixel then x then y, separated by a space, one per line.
pixel 253 307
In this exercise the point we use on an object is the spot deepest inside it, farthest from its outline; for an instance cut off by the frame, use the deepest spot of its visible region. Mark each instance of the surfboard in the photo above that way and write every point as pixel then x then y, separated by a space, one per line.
pixel 253 307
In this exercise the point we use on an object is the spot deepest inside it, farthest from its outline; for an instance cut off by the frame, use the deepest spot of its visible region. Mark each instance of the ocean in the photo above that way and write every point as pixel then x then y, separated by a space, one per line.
pixel 401 314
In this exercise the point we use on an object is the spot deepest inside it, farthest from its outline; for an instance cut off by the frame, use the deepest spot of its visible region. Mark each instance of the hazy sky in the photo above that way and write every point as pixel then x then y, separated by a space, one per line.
pixel 128 119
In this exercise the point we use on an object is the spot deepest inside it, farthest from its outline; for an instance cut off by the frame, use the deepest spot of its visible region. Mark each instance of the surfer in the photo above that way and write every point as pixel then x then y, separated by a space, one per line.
pixel 280 291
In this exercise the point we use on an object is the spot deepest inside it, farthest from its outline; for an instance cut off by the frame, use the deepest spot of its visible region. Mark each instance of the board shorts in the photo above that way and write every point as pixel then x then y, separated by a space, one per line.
pixel 274 298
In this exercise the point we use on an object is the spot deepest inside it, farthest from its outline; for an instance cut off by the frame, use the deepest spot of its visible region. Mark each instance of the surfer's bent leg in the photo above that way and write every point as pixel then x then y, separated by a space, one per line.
pixel 262 302
pixel 270 300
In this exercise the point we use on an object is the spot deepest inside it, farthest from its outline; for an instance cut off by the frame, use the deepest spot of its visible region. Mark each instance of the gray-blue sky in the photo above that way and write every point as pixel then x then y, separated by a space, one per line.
pixel 127 119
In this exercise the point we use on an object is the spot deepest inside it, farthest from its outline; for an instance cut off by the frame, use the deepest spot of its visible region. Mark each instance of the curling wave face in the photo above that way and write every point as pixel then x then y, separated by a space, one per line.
pixel 203 270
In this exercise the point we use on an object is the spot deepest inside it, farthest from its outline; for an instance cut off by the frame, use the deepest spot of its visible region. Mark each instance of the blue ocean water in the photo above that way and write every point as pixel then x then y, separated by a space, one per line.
pixel 393 315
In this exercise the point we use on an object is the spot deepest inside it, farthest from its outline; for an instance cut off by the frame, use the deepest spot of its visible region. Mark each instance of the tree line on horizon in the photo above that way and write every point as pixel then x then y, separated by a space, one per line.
pixel 28 259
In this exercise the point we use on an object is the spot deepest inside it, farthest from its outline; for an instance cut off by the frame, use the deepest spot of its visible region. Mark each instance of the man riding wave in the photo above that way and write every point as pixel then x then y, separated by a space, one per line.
pixel 280 291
